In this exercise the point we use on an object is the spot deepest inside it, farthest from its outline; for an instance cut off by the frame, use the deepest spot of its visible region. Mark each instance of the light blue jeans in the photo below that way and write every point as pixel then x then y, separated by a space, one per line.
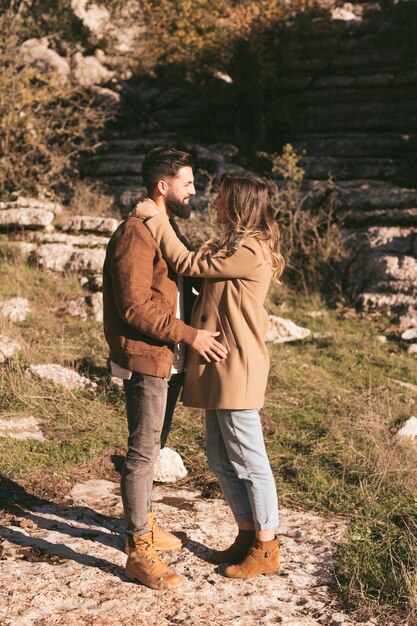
pixel 236 454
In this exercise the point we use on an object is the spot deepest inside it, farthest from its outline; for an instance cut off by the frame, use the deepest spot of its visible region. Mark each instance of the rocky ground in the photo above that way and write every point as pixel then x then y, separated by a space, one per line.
pixel 64 564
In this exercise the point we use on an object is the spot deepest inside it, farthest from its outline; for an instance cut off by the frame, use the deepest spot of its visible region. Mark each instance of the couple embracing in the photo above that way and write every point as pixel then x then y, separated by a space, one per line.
pixel 213 349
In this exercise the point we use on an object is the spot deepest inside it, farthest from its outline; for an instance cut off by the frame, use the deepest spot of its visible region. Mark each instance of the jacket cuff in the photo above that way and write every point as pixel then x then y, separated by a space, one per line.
pixel 189 333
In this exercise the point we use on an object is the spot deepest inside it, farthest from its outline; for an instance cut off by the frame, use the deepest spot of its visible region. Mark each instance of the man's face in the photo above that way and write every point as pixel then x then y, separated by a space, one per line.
pixel 180 190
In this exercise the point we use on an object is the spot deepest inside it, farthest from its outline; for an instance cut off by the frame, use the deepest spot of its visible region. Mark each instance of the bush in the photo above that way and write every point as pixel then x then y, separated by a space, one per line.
pixel 44 125
pixel 311 238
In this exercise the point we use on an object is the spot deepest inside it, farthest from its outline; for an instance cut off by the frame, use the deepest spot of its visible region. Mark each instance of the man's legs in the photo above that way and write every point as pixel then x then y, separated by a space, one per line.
pixel 175 385
pixel 146 398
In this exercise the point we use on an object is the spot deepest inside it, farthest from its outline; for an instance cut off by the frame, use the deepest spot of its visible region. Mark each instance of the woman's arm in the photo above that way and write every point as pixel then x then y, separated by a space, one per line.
pixel 188 263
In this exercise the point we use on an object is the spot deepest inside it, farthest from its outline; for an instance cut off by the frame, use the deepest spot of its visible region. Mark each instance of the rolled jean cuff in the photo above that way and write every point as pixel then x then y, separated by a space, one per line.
pixel 266 525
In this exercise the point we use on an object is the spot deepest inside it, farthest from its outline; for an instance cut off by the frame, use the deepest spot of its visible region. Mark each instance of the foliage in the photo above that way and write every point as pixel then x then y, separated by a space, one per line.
pixel 44 124
pixel 311 238
pixel 52 18
pixel 203 34
pixel 185 33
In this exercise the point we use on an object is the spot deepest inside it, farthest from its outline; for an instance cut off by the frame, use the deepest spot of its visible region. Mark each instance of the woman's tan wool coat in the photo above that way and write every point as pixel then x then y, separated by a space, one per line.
pixel 231 301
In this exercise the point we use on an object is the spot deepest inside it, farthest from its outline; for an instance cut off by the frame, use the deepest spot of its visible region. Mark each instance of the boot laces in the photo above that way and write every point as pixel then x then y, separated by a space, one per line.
pixel 149 551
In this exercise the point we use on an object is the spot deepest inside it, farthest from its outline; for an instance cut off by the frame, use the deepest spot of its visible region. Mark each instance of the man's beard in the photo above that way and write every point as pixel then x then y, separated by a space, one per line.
pixel 177 207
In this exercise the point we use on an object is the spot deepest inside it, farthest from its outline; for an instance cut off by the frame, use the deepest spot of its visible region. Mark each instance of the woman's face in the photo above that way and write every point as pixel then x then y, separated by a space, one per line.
pixel 220 205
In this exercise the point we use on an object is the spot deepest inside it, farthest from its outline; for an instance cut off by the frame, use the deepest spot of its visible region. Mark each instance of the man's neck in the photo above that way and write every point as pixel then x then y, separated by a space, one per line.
pixel 160 203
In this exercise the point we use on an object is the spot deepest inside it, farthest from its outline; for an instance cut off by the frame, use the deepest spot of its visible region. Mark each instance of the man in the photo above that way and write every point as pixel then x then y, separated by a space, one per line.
pixel 146 337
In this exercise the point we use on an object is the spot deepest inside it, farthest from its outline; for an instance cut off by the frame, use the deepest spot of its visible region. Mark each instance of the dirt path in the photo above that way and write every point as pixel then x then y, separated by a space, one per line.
pixel 64 565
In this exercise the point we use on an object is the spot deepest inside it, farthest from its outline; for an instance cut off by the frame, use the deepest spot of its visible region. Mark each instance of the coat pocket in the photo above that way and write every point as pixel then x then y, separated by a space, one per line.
pixel 227 337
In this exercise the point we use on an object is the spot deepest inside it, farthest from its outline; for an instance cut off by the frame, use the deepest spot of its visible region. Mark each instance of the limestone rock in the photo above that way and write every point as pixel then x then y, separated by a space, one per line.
pixel 85 583
pixel 36 52
pixel 90 223
pixel 412 349
pixel 410 334
pixel 75 308
pixel 117 383
pixel 282 330
pixel 23 248
pixel 15 309
pixel 89 70
pixel 22 202
pixel 169 467
pixel 348 12
pixel 26 218
pixel 8 348
pixel 21 428
pixel 403 306
pixel 53 257
pixel 62 376
pixel 78 241
pixel 87 260
pixel 97 494
pixel 65 258
pixel 409 429
pixel 95 17
pixel 96 303
pixel 92 284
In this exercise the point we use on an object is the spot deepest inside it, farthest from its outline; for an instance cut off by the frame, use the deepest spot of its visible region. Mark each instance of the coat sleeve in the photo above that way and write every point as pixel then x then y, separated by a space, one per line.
pixel 131 265
pixel 188 263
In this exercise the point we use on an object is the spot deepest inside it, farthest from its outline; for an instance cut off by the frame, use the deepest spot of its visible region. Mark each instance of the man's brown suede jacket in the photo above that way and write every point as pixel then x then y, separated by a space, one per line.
pixel 140 302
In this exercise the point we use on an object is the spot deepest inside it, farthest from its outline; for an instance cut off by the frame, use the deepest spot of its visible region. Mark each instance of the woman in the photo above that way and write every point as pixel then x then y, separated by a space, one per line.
pixel 237 269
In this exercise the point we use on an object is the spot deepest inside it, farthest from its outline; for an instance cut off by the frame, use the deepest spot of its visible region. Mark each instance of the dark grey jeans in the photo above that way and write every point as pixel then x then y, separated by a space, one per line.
pixel 150 403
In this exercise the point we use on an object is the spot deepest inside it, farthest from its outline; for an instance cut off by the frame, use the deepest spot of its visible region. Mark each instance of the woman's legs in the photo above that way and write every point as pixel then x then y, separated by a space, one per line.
pixel 236 454
pixel 233 488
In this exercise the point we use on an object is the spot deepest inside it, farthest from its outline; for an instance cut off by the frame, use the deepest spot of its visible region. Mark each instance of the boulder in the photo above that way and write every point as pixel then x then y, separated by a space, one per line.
pixel 26 218
pixel 21 428
pixel 169 467
pixel 15 309
pixel 65 258
pixel 282 330
pixel 410 334
pixel 409 429
pixel 96 18
pixel 412 349
pixel 67 378
pixel 91 224
pixel 89 70
pixel 36 52
pixel 8 348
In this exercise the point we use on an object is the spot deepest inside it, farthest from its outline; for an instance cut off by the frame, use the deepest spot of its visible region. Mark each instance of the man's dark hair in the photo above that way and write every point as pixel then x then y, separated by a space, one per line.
pixel 161 163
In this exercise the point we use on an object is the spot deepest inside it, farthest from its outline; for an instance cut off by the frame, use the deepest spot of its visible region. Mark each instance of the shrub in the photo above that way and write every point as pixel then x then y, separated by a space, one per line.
pixel 311 239
pixel 44 125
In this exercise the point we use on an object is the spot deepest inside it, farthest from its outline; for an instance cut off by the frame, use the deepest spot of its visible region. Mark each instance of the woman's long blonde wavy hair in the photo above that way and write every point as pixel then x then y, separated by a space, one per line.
pixel 248 214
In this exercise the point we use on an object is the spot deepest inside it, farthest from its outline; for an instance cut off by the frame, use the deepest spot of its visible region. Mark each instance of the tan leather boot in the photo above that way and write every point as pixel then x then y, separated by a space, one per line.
pixel 237 551
pixel 144 565
pixel 162 539
pixel 262 558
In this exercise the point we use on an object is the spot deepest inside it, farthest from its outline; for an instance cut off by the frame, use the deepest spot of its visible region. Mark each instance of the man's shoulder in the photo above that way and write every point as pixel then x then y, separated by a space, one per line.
pixel 134 228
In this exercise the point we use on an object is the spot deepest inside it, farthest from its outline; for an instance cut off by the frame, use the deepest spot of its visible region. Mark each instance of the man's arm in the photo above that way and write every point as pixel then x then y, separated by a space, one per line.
pixel 132 271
